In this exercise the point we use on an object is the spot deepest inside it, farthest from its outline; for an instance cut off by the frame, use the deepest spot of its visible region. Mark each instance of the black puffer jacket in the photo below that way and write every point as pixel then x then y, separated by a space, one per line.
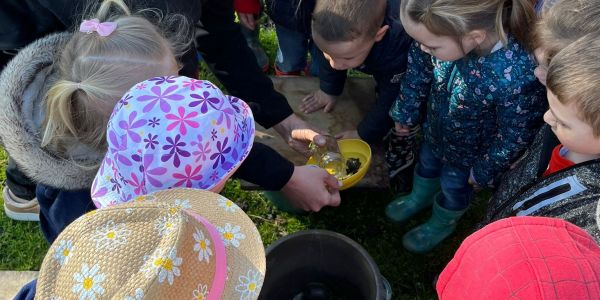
pixel 571 194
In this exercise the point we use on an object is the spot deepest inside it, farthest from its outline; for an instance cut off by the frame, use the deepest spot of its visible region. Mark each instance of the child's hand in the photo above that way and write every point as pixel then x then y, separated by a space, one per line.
pixel 317 100
pixel 473 183
pixel 247 20
pixel 401 130
pixel 350 134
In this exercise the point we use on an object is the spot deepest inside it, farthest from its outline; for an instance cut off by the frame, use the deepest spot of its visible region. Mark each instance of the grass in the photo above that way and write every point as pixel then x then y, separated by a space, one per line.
pixel 360 217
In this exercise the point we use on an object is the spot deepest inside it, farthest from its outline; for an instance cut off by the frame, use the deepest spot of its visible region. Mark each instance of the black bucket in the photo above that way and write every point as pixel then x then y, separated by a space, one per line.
pixel 321 264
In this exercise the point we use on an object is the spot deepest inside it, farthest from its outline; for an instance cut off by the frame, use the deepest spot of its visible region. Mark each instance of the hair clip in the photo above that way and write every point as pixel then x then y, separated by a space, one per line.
pixel 103 29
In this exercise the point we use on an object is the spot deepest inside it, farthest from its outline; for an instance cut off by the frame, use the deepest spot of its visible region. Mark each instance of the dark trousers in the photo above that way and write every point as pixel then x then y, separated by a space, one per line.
pixel 18 183
pixel 58 208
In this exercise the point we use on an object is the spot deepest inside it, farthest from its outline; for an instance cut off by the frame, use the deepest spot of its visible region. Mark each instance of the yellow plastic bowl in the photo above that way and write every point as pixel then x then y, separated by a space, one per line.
pixel 352 148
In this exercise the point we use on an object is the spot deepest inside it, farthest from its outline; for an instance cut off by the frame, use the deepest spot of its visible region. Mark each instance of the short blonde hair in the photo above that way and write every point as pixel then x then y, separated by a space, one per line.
pixel 564 22
pixel 574 77
pixel 456 18
pixel 95 72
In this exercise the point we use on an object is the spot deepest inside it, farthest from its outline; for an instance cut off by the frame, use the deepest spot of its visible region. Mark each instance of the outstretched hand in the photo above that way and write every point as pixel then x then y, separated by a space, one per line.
pixel 311 188
pixel 298 134
pixel 317 100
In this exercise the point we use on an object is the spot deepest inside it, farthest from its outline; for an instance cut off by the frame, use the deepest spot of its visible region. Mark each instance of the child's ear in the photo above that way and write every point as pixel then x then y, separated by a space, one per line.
pixel 477 35
pixel 381 32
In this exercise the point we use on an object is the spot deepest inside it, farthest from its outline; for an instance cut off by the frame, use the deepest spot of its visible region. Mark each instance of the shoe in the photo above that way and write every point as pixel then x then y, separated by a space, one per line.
pixel 423 192
pixel 20 209
pixel 282 73
pixel 400 153
pixel 425 237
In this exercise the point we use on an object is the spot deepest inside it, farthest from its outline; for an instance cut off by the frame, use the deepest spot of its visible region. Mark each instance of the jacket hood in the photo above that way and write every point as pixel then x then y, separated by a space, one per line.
pixel 23 84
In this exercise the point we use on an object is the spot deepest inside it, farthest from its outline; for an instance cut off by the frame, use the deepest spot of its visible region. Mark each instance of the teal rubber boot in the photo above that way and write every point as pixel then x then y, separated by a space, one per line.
pixel 423 192
pixel 428 235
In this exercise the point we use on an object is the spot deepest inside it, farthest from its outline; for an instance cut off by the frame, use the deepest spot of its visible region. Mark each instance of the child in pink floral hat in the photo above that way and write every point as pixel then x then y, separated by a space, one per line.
pixel 172 132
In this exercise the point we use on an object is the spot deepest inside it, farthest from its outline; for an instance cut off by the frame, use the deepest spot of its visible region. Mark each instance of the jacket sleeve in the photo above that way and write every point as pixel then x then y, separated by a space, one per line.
pixel 331 81
pixel 225 51
pixel 247 6
pixel 519 113
pixel 266 168
pixel 414 88
pixel 377 122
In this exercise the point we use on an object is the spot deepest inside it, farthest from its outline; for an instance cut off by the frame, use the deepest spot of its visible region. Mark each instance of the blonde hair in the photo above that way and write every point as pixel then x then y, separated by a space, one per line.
pixel 563 23
pixel 456 18
pixel 574 77
pixel 95 71
pixel 347 20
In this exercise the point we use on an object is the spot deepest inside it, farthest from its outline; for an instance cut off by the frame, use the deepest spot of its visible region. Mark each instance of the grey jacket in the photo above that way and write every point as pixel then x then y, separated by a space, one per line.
pixel 23 84
pixel 571 194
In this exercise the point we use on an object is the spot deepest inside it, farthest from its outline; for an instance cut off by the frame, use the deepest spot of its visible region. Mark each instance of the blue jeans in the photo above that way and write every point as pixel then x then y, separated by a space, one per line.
pixel 293 47
pixel 456 190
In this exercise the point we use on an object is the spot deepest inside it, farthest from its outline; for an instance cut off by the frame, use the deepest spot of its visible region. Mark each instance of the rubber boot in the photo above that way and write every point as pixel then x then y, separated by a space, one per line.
pixel 428 235
pixel 405 207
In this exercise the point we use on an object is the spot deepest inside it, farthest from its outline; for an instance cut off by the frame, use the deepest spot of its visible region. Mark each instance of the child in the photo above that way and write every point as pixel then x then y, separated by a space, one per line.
pixel 366 35
pixel 292 26
pixel 530 258
pixel 559 178
pixel 194 137
pixel 183 244
pixel 483 105
pixel 562 23
pixel 59 92
pixel 248 13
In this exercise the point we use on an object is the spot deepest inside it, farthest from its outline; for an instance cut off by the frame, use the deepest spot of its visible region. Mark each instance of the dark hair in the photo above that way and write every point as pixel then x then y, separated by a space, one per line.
pixel 346 20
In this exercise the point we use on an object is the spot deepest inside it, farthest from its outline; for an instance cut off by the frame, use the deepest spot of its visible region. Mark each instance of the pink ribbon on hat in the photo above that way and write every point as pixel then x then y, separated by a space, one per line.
pixel 218 285
pixel 103 29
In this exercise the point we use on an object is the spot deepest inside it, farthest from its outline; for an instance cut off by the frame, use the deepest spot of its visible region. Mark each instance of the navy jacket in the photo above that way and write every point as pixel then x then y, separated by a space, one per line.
pixel 386 62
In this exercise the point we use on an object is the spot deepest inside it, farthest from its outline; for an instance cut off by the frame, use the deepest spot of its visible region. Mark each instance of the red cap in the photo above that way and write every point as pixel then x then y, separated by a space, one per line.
pixel 524 258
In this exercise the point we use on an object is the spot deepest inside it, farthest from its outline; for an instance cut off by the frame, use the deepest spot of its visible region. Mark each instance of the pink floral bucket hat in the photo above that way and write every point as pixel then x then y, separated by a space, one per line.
pixel 175 244
pixel 172 132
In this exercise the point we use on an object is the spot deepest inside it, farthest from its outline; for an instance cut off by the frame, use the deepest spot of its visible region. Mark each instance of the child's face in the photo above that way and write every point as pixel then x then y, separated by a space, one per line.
pixel 444 48
pixel 349 54
pixel 573 133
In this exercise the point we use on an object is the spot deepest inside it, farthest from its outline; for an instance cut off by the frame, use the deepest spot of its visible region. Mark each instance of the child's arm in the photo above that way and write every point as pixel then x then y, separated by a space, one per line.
pixel 414 88
pixel 246 10
pixel 331 81
pixel 519 111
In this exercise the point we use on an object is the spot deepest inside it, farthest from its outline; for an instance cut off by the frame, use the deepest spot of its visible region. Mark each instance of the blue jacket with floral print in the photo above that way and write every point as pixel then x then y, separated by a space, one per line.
pixel 482 112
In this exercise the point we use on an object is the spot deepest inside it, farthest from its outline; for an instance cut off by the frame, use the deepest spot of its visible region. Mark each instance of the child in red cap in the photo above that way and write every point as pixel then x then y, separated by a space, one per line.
pixel 524 258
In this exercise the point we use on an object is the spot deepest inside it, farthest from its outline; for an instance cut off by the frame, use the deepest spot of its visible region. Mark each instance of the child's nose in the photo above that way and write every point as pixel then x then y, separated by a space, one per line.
pixel 424 49
pixel 336 65
pixel 548 118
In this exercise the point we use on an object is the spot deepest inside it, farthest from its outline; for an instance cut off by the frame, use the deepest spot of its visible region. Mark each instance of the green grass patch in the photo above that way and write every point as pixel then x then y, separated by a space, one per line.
pixel 22 245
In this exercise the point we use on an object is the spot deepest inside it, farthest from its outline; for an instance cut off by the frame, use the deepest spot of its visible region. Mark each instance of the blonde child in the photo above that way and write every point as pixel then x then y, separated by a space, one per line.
pixel 470 65
pixel 179 132
pixel 557 177
pixel 60 91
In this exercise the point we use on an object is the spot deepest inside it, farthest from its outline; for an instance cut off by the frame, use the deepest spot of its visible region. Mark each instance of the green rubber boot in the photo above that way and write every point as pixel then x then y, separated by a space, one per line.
pixel 426 236
pixel 405 207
